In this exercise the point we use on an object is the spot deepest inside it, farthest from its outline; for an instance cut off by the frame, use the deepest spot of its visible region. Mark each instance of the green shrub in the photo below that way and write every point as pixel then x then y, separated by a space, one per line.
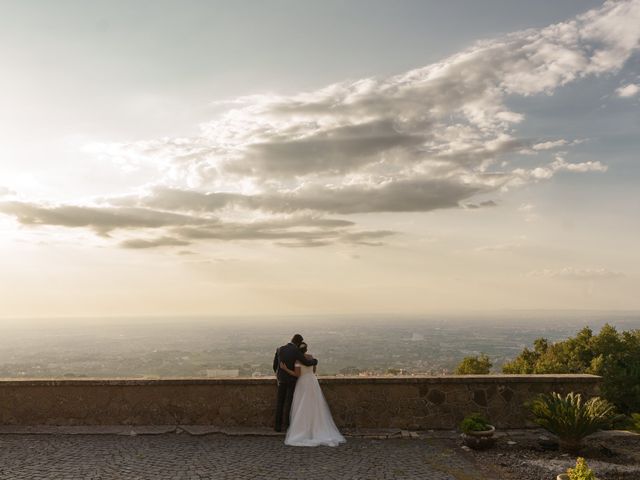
pixel 581 472
pixel 613 355
pixel 627 422
pixel 635 422
pixel 571 419
pixel 478 365
pixel 474 422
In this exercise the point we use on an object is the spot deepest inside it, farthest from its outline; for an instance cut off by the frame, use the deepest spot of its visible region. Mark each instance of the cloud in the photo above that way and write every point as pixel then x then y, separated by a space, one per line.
pixel 137 243
pixel 419 194
pixel 447 119
pixel 406 195
pixel 102 220
pixel 572 273
pixel 484 204
pixel 371 238
pixel 549 145
pixel 184 229
pixel 293 232
pixel 431 138
pixel 449 114
pixel 590 166
pixel 336 150
pixel 452 111
pixel 629 90
pixel 522 176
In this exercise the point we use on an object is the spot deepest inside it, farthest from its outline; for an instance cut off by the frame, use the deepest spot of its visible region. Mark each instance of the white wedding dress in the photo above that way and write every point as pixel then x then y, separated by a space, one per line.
pixel 311 423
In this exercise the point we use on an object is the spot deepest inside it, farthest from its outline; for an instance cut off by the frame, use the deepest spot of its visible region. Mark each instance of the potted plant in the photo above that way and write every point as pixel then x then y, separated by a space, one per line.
pixel 580 472
pixel 477 432
pixel 571 419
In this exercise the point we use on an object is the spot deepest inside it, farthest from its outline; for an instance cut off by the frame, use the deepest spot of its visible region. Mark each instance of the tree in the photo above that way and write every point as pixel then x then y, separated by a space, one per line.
pixel 478 365
pixel 611 354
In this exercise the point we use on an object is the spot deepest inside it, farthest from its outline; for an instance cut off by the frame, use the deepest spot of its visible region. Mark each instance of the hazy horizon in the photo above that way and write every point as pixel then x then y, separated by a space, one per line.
pixel 538 317
pixel 289 158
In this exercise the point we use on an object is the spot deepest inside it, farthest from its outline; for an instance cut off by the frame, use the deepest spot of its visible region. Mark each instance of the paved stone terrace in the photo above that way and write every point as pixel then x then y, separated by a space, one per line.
pixel 217 456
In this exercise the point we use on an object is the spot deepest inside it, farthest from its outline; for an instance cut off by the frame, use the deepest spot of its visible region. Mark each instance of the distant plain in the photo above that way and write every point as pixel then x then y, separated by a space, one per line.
pixel 244 346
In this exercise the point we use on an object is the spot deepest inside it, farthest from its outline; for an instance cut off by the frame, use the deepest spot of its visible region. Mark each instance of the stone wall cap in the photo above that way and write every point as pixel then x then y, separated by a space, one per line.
pixel 473 379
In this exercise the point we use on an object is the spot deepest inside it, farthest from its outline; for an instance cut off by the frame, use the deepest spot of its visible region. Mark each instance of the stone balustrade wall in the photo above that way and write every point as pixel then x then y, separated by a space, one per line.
pixel 416 403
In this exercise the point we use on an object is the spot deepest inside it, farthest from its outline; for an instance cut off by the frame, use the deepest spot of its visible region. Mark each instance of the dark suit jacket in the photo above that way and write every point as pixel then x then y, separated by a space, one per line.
pixel 288 354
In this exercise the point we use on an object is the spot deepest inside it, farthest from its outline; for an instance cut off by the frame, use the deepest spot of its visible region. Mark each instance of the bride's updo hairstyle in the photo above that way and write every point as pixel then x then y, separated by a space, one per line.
pixel 303 347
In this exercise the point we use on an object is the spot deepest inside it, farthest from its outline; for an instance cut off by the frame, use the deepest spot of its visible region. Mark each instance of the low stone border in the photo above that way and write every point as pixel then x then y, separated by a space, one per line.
pixel 405 403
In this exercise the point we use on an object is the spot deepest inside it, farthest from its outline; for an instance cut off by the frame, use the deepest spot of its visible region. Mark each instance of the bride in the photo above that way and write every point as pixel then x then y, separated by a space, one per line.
pixel 311 423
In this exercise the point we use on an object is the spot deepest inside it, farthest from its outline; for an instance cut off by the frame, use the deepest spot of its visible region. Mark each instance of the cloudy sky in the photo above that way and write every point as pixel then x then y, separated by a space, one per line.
pixel 286 157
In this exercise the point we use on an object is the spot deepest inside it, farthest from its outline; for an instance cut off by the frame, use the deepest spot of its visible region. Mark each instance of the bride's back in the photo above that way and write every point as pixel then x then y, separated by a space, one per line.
pixel 304 369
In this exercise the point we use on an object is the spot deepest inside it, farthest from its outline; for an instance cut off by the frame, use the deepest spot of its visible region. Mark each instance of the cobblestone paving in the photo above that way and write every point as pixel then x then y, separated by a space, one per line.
pixel 173 456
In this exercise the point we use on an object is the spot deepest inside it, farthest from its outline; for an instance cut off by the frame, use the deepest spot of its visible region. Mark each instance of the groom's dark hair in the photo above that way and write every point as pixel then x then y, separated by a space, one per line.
pixel 297 339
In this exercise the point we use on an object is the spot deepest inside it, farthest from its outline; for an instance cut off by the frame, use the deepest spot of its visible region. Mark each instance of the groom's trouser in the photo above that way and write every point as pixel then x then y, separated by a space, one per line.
pixel 283 407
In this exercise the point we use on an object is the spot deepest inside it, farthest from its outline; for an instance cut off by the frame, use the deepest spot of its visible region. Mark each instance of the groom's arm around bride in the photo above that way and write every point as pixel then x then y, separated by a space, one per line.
pixel 290 354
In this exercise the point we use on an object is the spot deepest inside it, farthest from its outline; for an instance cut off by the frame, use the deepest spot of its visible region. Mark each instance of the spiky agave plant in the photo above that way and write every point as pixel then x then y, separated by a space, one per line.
pixel 571 419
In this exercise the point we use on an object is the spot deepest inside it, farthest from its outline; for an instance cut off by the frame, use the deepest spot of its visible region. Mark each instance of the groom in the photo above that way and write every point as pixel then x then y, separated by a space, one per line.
pixel 289 354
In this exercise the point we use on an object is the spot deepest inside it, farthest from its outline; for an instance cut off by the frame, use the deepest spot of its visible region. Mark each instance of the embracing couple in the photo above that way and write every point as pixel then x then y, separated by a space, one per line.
pixel 300 399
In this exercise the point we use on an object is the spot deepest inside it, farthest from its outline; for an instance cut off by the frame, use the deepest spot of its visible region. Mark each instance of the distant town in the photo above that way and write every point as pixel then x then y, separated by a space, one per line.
pixel 156 348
